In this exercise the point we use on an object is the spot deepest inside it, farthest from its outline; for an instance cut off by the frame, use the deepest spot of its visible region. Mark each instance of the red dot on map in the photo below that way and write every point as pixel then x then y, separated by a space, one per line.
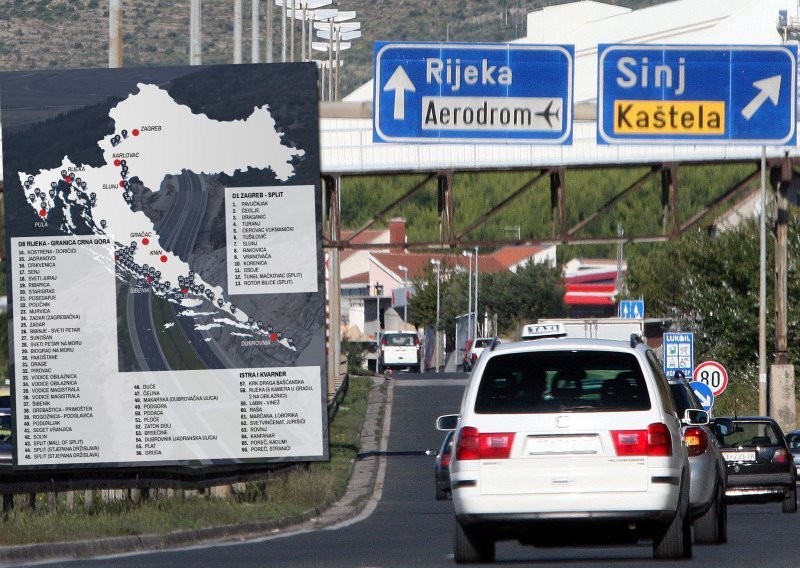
pixel 184 290
pixel 163 258
pixel 42 213
pixel 122 183
pixel 145 241
pixel 135 132
pixel 117 163
pixel 273 336
pixel 68 179
pixel 116 258
pixel 149 279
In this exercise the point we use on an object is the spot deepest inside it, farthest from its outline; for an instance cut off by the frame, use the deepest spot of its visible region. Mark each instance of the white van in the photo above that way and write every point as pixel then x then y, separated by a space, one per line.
pixel 399 349
pixel 569 441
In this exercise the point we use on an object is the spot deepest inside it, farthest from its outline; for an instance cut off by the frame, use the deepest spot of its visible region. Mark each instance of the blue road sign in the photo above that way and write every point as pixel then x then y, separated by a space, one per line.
pixel 631 309
pixel 679 353
pixel 443 92
pixel 703 393
pixel 667 94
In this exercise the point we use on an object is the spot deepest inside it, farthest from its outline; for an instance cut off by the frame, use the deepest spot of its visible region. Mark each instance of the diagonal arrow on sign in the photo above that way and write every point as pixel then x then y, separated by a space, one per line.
pixel 704 400
pixel 768 88
pixel 399 83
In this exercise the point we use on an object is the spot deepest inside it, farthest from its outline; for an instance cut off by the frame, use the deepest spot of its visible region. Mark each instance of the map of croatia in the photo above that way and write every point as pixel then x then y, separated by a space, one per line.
pixel 156 137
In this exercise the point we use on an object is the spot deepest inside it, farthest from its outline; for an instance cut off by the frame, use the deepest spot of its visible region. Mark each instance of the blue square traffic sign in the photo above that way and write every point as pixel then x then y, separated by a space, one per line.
pixel 679 353
pixel 667 94
pixel 442 92
pixel 631 309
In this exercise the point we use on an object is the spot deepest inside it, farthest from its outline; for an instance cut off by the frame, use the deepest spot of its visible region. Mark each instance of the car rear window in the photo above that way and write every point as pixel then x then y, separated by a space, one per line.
pixel 750 435
pixel 562 381
pixel 400 340
pixel 683 397
pixel 482 342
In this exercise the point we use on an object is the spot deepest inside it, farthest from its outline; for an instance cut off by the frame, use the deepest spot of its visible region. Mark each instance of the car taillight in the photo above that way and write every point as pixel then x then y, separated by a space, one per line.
pixel 655 441
pixel 696 441
pixel 384 342
pixel 416 341
pixel 781 456
pixel 473 445
pixel 474 357
pixel 445 461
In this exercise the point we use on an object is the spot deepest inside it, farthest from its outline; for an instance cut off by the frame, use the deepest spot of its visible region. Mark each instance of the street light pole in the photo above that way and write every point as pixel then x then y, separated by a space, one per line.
pixel 475 329
pixel 469 255
pixel 405 292
pixel 437 268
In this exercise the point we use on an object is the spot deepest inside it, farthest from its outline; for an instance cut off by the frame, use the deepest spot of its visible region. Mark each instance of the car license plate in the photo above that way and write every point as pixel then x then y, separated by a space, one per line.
pixel 739 456
pixel 539 445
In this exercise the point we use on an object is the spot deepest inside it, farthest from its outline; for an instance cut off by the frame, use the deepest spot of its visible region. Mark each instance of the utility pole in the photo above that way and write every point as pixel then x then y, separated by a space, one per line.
pixel 762 292
pixel 269 16
pixel 255 46
pixel 115 34
pixel 781 380
pixel 291 31
pixel 237 31
pixel 195 27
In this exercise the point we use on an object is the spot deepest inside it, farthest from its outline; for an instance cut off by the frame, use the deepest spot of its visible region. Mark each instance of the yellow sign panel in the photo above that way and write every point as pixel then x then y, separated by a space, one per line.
pixel 669 117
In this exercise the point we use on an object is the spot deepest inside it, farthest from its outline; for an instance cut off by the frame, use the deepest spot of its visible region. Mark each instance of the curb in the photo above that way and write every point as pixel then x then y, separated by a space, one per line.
pixel 360 486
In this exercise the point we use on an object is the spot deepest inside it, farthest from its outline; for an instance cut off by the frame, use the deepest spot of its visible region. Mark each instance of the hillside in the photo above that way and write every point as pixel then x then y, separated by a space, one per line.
pixel 73 34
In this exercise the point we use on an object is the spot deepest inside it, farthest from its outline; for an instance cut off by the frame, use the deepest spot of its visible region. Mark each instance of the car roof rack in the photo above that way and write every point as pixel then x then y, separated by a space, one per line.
pixel 636 339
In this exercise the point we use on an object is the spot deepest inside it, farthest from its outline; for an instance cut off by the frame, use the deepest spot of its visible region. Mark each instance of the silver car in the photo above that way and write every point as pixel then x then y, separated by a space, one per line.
pixel 793 439
pixel 708 472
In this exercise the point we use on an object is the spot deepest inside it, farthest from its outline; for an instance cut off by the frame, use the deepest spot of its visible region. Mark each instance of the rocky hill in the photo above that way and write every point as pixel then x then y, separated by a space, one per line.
pixel 73 34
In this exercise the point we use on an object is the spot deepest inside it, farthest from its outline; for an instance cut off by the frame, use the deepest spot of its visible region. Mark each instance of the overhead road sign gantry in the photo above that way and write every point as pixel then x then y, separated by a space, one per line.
pixel 672 94
pixel 454 93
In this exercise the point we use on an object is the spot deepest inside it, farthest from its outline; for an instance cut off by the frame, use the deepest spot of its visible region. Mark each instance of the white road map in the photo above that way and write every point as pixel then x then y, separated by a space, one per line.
pixel 156 137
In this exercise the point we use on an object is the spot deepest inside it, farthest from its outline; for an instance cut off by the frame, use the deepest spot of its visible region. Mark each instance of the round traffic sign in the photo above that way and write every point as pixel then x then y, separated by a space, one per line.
pixel 712 374
pixel 703 393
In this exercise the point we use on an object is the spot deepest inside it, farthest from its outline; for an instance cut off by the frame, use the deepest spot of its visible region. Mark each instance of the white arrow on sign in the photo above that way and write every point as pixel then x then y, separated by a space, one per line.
pixel 704 400
pixel 768 88
pixel 399 83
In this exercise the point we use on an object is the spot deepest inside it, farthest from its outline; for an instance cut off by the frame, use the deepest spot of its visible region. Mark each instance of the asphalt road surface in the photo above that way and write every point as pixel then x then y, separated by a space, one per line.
pixel 410 528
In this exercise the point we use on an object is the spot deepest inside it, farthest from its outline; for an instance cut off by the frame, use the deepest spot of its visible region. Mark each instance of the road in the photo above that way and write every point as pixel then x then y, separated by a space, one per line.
pixel 410 528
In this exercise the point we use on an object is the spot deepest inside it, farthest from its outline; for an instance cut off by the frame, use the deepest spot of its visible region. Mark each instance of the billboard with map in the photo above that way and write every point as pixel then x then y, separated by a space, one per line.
pixel 166 295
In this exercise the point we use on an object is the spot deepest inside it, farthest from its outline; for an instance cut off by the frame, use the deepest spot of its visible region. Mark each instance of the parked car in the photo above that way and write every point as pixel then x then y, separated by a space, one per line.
pixel 708 471
pixel 569 441
pixel 793 440
pixel 399 349
pixel 477 348
pixel 441 468
pixel 760 465
pixel 466 365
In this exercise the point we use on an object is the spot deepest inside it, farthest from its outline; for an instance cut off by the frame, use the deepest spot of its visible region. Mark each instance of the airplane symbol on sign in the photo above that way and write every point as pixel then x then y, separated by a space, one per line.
pixel 547 114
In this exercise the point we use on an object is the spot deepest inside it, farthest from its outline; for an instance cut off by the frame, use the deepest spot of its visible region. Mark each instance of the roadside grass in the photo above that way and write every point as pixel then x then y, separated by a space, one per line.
pixel 284 496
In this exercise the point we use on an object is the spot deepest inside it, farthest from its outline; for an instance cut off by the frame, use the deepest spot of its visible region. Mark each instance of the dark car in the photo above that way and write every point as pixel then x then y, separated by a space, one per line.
pixel 707 470
pixel 441 468
pixel 793 439
pixel 760 465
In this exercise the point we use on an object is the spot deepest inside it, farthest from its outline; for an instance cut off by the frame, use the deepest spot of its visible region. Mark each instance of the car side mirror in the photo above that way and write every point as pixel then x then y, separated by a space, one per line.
pixel 695 417
pixel 447 423
pixel 723 426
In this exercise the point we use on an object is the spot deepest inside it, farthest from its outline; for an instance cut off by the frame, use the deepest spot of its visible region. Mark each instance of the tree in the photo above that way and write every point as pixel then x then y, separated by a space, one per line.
pixel 709 285
pixel 533 292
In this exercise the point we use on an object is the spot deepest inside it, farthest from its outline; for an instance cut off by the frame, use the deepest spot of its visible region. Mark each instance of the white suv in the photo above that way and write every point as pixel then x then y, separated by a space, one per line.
pixel 569 441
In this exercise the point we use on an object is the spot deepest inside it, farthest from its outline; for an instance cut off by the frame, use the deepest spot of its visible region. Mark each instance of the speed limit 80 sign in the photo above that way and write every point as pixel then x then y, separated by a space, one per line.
pixel 712 374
